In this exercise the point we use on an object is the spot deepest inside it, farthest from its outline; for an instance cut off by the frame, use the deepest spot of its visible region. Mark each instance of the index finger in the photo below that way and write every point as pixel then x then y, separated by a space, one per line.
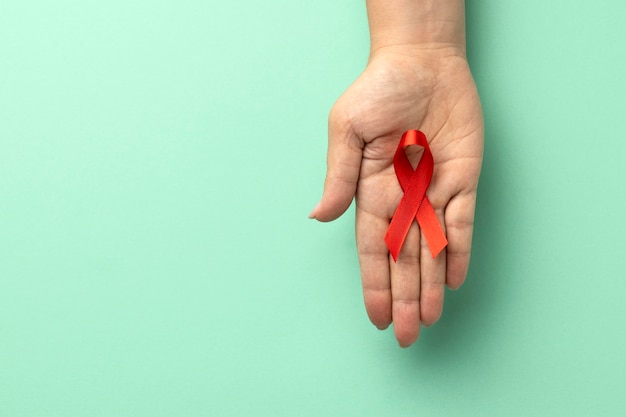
pixel 374 263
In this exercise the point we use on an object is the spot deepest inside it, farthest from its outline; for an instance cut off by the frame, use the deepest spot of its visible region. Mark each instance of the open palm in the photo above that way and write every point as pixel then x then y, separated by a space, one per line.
pixel 402 89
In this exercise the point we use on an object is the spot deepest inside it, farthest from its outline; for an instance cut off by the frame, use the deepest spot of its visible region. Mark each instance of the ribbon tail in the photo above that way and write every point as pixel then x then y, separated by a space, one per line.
pixel 403 218
pixel 431 228
pixel 394 244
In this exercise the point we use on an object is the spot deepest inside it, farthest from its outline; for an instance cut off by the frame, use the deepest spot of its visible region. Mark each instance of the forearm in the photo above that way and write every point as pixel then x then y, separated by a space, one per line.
pixel 428 24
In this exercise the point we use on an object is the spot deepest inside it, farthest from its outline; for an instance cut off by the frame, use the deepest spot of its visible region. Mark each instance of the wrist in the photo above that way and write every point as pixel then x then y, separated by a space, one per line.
pixel 417 24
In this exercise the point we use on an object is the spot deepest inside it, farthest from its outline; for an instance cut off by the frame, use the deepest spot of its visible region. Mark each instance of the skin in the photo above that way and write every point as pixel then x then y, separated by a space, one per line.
pixel 417 77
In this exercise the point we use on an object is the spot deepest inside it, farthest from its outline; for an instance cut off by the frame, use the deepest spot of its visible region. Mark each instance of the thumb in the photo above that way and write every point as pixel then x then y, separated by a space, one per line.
pixel 345 151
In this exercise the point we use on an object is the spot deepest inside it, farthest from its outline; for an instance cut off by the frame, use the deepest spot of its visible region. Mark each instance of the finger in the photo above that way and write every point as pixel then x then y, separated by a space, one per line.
pixel 374 262
pixel 459 220
pixel 345 151
pixel 405 289
pixel 432 280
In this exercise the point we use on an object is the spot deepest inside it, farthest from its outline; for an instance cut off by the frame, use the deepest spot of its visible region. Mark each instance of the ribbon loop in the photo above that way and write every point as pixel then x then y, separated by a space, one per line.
pixel 414 204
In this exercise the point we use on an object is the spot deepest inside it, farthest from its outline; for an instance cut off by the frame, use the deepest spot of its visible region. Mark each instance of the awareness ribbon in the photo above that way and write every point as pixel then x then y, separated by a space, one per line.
pixel 414 204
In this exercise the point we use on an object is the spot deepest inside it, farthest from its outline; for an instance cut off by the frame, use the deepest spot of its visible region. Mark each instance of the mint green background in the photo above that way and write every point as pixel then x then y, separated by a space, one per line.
pixel 157 164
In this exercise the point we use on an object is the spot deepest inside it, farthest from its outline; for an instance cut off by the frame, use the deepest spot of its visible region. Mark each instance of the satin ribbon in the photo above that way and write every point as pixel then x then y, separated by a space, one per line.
pixel 414 203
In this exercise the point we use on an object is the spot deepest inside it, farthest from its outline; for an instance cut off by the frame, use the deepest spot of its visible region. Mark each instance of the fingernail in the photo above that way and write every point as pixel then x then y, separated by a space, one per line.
pixel 314 211
pixel 382 327
pixel 403 346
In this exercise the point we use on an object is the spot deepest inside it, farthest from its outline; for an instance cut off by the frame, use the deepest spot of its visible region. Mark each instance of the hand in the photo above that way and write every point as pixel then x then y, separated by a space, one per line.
pixel 404 88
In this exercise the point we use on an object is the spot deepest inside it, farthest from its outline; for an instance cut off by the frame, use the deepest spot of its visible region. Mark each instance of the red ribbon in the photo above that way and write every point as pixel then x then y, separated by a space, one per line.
pixel 414 203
